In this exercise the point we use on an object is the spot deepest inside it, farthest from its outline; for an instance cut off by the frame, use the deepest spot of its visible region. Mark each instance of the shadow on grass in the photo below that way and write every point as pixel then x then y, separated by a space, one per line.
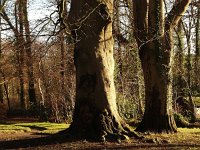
pixel 43 134
pixel 34 142
pixel 5 123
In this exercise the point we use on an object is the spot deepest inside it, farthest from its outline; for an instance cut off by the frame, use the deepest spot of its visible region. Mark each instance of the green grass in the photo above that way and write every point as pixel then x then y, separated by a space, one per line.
pixel 41 127
pixel 13 128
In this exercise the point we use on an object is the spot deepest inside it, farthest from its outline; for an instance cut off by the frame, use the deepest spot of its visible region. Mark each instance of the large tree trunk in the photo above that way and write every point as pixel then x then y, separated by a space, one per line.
pixel 158 116
pixel 153 34
pixel 96 114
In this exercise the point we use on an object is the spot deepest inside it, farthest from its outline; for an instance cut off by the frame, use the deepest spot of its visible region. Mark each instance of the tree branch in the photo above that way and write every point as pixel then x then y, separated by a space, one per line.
pixel 140 11
pixel 120 37
pixel 2 4
pixel 6 18
pixel 176 13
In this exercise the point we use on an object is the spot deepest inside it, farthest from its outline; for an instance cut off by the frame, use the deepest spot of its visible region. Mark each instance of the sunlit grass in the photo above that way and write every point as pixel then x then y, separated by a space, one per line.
pixel 13 128
pixel 197 100
pixel 42 127
pixel 186 130
pixel 184 135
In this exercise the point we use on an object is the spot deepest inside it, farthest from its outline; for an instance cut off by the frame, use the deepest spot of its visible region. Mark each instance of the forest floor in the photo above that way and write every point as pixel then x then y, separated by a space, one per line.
pixel 30 134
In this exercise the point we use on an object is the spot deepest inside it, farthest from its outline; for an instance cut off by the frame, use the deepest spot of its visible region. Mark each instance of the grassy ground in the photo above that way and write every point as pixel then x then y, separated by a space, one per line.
pixel 40 127
pixel 34 135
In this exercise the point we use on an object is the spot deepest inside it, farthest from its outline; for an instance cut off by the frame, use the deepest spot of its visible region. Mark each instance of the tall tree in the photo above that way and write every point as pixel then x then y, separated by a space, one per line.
pixel 29 60
pixel 196 61
pixel 96 114
pixel 153 33
pixel 188 27
pixel 1 85
pixel 179 54
pixel 18 29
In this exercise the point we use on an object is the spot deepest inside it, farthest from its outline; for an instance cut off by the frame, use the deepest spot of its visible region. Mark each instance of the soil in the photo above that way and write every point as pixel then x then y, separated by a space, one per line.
pixel 33 140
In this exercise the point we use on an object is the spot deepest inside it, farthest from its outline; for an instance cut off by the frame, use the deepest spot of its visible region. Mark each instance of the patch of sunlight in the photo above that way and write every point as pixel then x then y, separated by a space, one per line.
pixel 12 128
pixel 42 127
pixel 187 130
pixel 46 125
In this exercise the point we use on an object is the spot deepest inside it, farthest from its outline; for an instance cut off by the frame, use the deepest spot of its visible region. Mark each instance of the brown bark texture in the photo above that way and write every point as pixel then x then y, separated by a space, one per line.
pixel 153 34
pixel 96 114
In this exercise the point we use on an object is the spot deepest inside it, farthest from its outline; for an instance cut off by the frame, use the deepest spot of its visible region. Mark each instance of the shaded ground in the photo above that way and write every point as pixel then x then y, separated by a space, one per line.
pixel 40 136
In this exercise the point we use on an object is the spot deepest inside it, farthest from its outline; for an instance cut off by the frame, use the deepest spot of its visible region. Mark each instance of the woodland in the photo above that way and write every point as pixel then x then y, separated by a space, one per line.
pixel 99 74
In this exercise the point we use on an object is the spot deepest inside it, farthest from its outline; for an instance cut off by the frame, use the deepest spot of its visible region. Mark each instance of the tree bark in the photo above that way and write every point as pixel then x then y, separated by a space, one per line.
pixel 96 114
pixel 180 49
pixel 29 60
pixel 20 50
pixel 1 85
pixel 197 81
pixel 6 90
pixel 153 34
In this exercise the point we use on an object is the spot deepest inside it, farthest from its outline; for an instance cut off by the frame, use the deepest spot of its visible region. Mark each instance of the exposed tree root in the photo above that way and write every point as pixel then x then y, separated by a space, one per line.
pixel 104 127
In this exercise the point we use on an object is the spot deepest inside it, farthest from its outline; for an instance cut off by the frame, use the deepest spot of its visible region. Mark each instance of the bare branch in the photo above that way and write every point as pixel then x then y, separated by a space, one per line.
pixel 6 18
pixel 176 13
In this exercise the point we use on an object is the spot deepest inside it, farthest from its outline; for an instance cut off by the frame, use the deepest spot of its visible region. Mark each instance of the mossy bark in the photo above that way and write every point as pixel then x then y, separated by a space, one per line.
pixel 96 114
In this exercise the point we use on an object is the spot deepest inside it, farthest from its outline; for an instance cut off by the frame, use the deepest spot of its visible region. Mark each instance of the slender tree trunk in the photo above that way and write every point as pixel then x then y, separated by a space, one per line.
pixel 188 58
pixel 19 46
pixel 6 89
pixel 180 59
pixel 20 52
pixel 188 34
pixel 65 98
pixel 196 65
pixel 96 114
pixel 1 93
pixel 7 94
pixel 66 101
pixel 1 85
pixel 29 60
